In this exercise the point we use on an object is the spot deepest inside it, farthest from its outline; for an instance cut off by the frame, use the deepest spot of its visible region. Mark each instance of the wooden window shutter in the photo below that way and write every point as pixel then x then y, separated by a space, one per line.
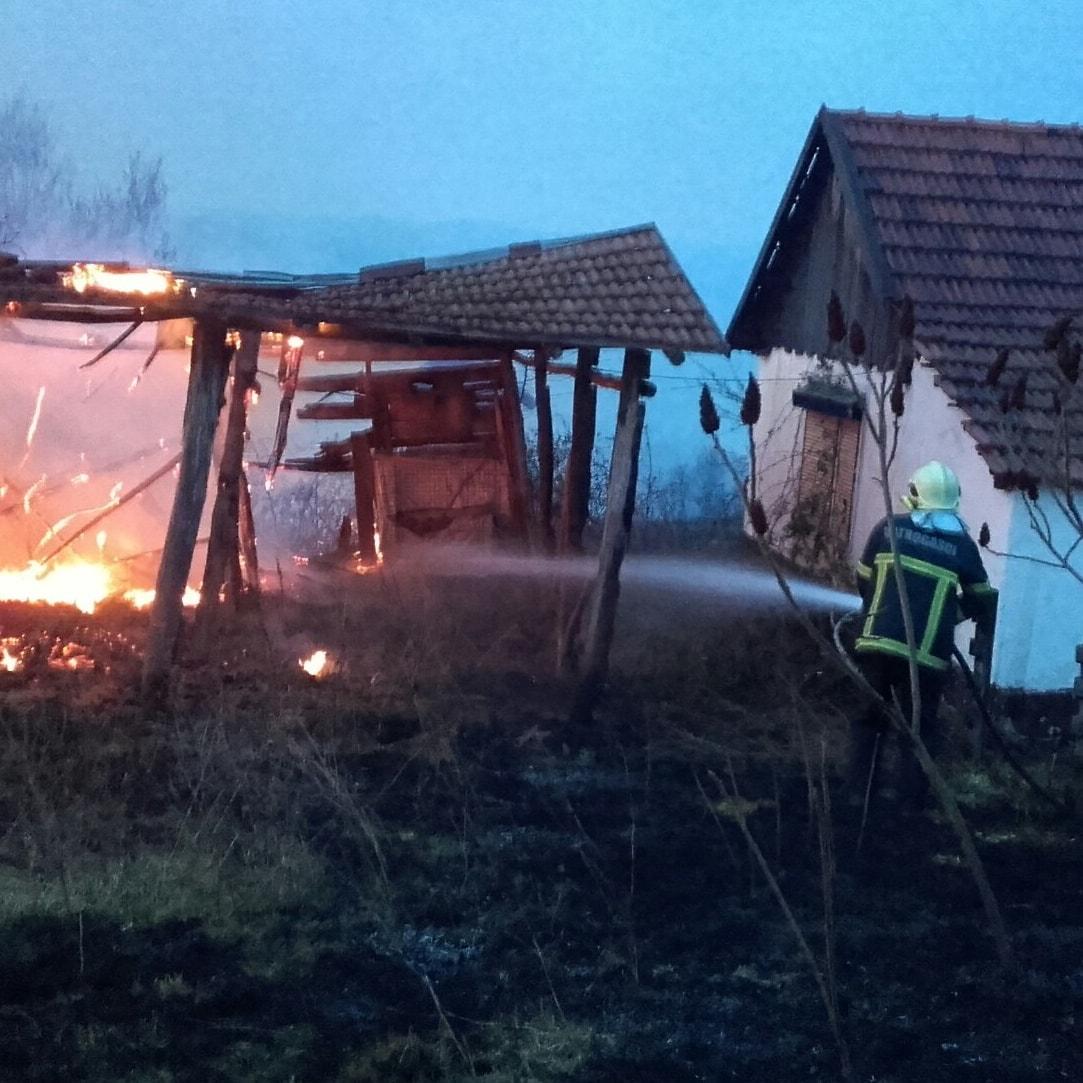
pixel 825 489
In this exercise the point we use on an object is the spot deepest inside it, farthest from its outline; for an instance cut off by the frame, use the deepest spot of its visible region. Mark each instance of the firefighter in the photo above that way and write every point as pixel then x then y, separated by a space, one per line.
pixel 945 583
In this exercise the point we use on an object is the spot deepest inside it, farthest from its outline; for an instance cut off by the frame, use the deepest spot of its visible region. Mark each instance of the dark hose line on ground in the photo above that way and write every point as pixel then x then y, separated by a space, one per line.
pixel 1062 806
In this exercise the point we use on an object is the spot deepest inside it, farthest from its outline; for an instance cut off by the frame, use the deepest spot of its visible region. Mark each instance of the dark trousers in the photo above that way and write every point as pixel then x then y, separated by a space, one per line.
pixel 870 732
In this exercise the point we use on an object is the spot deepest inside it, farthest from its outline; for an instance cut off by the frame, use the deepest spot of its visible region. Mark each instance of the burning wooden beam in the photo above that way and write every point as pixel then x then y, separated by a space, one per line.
pixel 364 479
pixel 289 371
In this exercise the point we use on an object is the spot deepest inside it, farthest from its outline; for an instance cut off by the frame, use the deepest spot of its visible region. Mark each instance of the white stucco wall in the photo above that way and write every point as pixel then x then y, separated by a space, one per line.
pixel 778 435
pixel 1043 605
pixel 931 428
pixel 1041 608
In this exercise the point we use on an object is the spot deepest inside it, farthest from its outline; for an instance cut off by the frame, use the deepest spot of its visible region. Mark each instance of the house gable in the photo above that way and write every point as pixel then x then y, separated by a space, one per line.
pixel 979 222
pixel 822 241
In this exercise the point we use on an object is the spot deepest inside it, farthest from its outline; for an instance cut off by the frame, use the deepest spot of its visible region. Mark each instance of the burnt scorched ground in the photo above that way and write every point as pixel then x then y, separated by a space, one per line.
pixel 415 870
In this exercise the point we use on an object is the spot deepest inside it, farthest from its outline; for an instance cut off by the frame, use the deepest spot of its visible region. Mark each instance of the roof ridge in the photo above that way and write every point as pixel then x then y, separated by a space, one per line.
pixel 969 121
pixel 498 252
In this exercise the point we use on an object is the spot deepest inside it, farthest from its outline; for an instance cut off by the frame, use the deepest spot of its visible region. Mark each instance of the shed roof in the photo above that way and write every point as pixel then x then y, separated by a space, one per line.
pixel 622 288
pixel 981 223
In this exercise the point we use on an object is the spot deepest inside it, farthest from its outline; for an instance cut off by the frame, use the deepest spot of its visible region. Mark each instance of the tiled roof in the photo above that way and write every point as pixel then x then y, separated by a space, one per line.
pixel 623 288
pixel 611 289
pixel 981 223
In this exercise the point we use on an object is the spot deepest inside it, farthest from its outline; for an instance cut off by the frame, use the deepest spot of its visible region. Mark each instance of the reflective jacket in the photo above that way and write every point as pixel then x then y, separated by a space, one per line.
pixel 943 573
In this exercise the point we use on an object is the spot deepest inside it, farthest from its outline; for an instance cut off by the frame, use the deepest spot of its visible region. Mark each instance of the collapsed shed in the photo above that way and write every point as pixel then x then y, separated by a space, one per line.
pixel 439 438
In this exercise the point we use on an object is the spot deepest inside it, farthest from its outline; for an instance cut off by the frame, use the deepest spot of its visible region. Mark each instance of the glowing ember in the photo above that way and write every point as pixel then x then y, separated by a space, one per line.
pixel 71 656
pixel 295 342
pixel 80 584
pixel 10 662
pixel 315 664
pixel 30 493
pixel 84 276
pixel 139 598
pixel 34 419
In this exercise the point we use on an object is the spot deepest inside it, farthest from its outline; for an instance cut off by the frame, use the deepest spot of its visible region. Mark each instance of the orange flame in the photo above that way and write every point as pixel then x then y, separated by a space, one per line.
pixel 84 276
pixel 83 584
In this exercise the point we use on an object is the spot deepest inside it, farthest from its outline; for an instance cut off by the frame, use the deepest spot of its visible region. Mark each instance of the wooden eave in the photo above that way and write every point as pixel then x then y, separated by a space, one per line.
pixel 824 137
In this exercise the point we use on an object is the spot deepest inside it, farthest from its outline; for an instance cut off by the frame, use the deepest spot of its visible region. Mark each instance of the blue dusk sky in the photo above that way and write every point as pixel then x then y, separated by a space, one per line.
pixel 325 134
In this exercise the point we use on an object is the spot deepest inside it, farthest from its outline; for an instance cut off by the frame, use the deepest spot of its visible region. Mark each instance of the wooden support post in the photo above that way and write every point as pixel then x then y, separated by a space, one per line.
pixel 514 440
pixel 620 507
pixel 223 568
pixel 545 447
pixel 576 505
pixel 206 385
pixel 364 487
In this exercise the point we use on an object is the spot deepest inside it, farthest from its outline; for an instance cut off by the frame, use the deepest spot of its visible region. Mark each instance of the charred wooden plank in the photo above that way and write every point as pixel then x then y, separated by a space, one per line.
pixel 364 483
pixel 223 551
pixel 513 441
pixel 576 506
pixel 334 411
pixel 319 466
pixel 545 448
pixel 332 349
pixel 247 537
pixel 327 383
pixel 131 494
pixel 106 350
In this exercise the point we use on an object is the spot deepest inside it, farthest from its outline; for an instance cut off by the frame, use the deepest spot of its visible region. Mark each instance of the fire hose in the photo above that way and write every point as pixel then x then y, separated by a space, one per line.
pixel 1062 805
